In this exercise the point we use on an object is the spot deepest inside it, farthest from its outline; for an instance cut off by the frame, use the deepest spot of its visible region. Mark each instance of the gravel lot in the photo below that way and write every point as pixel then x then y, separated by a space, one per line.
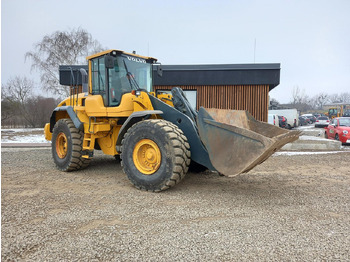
pixel 290 208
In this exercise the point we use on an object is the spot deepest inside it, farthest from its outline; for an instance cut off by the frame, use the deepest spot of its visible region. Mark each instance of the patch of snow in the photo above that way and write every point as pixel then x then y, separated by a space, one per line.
pixel 304 127
pixel 23 135
pixel 24 139
pixel 289 153
pixel 312 138
pixel 22 130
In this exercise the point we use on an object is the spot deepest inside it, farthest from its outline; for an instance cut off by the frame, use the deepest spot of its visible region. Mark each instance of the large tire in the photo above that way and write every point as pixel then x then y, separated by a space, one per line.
pixel 67 145
pixel 155 155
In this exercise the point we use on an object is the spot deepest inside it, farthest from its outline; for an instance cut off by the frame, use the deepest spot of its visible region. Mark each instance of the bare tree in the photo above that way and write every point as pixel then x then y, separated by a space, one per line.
pixel 17 89
pixel 41 109
pixel 61 48
pixel 319 100
pixel 298 95
pixel 344 97
pixel 335 98
pixel 20 108
pixel 15 94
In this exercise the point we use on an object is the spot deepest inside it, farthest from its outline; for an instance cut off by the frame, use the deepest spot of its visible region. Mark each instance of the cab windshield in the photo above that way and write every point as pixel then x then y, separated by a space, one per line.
pixel 130 73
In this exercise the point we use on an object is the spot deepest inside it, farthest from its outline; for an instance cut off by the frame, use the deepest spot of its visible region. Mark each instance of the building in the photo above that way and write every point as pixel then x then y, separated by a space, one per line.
pixel 233 86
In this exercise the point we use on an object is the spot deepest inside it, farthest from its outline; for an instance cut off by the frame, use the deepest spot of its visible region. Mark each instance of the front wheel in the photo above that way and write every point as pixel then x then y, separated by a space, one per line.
pixel 155 155
pixel 66 146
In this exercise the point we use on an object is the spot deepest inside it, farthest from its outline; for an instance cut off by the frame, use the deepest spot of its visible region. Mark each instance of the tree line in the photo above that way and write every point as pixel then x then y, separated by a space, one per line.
pixel 305 103
pixel 20 108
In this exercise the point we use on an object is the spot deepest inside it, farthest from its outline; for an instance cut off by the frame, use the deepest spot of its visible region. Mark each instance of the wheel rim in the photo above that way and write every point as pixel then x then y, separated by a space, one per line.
pixel 147 156
pixel 61 145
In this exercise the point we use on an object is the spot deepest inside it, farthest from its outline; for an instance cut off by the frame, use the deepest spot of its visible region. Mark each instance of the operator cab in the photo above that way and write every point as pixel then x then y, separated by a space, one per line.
pixel 114 73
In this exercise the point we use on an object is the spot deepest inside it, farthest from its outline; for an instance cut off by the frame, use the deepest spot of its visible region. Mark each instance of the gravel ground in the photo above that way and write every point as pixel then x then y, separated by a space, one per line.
pixel 290 208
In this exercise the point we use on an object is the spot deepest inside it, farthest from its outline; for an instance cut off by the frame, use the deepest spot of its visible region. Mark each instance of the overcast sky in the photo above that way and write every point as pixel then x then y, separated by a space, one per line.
pixel 310 38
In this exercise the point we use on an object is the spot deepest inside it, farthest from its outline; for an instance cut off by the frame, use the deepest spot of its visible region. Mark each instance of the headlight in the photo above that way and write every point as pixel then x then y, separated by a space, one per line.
pixel 345 132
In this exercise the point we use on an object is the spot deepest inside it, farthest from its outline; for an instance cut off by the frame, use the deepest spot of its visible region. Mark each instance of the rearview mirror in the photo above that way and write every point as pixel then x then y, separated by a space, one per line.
pixel 109 61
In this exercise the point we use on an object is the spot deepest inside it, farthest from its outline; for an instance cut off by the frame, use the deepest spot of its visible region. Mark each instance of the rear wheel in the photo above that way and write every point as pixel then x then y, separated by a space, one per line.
pixel 155 155
pixel 66 146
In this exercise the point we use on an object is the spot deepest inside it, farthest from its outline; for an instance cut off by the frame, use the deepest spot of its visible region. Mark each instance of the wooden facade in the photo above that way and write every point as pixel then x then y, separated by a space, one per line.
pixel 229 87
pixel 253 98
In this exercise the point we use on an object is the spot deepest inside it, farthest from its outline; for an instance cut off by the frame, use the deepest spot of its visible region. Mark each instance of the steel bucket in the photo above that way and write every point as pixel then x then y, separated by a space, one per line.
pixel 236 142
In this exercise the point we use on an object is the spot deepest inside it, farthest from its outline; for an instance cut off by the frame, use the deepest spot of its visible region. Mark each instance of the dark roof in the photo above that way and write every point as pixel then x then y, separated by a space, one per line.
pixel 226 74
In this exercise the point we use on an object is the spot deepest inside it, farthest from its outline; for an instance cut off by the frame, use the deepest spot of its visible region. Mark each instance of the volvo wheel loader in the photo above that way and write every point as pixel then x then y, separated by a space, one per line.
pixel 113 108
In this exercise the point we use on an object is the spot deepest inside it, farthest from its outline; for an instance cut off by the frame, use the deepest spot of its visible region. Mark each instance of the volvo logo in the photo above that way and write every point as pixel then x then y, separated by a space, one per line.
pixel 136 59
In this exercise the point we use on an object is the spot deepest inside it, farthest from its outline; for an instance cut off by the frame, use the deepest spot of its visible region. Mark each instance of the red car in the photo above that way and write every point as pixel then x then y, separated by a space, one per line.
pixel 339 129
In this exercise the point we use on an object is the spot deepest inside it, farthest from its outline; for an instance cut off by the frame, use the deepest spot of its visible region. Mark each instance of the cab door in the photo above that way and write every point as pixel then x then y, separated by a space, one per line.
pixel 331 128
pixel 107 90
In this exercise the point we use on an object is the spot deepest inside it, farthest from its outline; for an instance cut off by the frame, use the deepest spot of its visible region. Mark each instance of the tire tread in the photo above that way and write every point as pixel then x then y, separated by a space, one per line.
pixel 181 157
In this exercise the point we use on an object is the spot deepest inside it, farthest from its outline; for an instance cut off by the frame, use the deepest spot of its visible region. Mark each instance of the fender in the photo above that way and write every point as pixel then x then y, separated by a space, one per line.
pixel 133 119
pixel 73 116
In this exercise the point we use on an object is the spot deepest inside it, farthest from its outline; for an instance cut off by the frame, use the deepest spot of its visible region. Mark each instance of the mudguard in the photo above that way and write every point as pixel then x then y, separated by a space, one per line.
pixel 132 119
pixel 73 116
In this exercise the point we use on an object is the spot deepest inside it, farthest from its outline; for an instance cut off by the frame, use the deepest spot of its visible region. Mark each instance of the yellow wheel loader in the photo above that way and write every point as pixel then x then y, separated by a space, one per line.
pixel 157 136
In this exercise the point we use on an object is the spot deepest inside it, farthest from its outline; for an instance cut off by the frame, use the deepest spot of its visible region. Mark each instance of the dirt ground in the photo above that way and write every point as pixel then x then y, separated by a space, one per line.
pixel 290 208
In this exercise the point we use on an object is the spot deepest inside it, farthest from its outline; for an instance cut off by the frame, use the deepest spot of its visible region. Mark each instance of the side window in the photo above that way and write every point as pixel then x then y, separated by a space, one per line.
pixel 115 86
pixel 99 78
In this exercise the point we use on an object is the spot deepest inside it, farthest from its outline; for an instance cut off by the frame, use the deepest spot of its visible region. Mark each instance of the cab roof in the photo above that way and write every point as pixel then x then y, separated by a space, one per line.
pixel 119 52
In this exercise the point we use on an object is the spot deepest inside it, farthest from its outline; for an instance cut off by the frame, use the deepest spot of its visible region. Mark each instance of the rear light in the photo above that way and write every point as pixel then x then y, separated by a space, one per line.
pixel 317 121
pixel 328 121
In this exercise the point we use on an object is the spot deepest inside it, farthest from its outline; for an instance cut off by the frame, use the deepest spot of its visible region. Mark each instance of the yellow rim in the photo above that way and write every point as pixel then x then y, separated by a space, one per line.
pixel 61 145
pixel 147 156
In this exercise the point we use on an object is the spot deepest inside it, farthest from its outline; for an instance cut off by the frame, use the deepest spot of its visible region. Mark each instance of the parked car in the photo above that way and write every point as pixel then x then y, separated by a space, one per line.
pixel 311 118
pixel 303 121
pixel 346 113
pixel 322 121
pixel 282 121
pixel 273 120
pixel 339 129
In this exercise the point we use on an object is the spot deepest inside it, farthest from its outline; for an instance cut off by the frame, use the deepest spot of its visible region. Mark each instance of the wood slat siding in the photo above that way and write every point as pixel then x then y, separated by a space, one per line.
pixel 253 98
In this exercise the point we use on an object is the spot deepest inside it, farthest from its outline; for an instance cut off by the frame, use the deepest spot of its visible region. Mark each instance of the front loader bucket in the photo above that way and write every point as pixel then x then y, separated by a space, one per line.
pixel 236 142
